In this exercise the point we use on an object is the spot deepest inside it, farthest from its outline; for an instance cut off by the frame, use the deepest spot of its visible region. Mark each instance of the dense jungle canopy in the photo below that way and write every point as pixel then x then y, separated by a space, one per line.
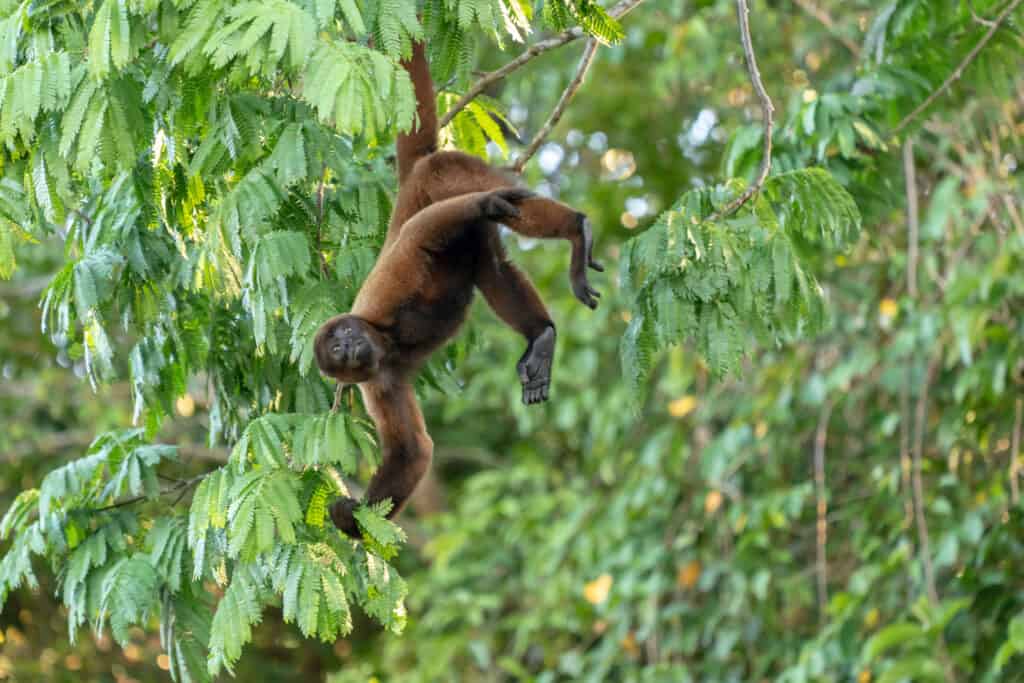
pixel 785 447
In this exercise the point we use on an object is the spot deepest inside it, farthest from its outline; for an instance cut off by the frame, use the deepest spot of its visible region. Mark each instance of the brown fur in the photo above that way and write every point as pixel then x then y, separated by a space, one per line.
pixel 441 242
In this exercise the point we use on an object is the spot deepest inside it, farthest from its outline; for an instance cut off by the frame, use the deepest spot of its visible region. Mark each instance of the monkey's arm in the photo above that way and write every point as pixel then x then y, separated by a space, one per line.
pixel 432 228
pixel 406 449
pixel 403 267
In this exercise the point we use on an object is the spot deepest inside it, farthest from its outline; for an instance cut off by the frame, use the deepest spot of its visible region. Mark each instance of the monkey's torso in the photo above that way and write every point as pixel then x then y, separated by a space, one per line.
pixel 431 316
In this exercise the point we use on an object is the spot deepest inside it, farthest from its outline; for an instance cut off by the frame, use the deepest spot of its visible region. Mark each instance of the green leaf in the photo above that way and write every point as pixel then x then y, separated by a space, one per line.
pixel 890 637
pixel 238 611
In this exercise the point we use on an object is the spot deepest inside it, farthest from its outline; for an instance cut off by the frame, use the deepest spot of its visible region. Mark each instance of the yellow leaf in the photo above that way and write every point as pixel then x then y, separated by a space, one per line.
pixel 688 575
pixel 186 405
pixel 810 95
pixel 864 676
pixel 629 645
pixel 682 406
pixel 888 308
pixel 712 502
pixel 871 618
pixel 595 592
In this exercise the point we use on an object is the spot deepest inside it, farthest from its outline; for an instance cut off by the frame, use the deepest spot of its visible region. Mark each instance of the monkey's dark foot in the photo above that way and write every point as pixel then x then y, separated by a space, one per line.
pixel 535 367
pixel 583 258
pixel 501 204
pixel 342 514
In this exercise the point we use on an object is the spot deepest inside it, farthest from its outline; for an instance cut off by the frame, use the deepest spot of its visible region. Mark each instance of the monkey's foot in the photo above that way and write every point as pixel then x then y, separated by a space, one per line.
pixel 342 514
pixel 535 367
pixel 501 204
pixel 583 258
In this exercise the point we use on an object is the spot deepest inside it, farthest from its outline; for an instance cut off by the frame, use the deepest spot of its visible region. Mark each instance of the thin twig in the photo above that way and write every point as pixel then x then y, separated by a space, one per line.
pixel 906 466
pixel 977 17
pixel 617 12
pixel 180 488
pixel 959 70
pixel 1015 451
pixel 338 391
pixel 320 221
pixel 910 182
pixel 767 110
pixel 825 19
pixel 563 103
pixel 920 424
pixel 821 562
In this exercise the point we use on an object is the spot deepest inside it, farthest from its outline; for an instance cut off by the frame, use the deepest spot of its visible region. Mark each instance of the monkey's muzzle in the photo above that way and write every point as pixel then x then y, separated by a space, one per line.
pixel 352 353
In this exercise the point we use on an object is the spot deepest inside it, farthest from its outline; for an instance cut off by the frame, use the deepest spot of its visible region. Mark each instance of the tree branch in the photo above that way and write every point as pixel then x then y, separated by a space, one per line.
pixel 181 488
pixel 825 19
pixel 959 70
pixel 321 187
pixel 617 12
pixel 821 562
pixel 910 182
pixel 563 103
pixel 906 465
pixel 767 110
pixel 1015 451
pixel 920 420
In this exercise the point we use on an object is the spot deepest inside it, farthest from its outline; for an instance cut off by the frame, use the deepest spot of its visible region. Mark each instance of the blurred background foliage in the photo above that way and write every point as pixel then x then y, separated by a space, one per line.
pixel 842 505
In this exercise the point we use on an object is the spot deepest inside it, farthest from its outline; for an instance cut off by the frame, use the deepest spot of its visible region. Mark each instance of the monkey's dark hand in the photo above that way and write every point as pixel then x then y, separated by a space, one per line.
pixel 583 258
pixel 535 367
pixel 342 514
pixel 501 204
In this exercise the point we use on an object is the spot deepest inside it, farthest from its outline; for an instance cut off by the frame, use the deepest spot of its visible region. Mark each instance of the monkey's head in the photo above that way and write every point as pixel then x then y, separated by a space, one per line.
pixel 349 349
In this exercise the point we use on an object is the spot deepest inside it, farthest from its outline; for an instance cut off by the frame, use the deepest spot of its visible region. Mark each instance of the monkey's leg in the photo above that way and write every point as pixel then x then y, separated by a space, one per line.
pixel 443 175
pixel 513 298
pixel 547 219
pixel 406 451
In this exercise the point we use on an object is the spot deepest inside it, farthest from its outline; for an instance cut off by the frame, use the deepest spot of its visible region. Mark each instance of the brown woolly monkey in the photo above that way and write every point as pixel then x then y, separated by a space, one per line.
pixel 442 242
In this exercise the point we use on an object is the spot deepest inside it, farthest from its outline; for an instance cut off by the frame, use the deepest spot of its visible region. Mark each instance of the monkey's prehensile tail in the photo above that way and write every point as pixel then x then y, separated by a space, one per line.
pixel 422 139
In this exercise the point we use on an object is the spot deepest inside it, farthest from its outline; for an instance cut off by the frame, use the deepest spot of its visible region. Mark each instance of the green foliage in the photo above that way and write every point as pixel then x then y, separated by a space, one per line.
pixel 189 187
pixel 116 464
pixel 723 282
pixel 312 579
pixel 562 14
pixel 237 613
pixel 475 126
pixel 359 90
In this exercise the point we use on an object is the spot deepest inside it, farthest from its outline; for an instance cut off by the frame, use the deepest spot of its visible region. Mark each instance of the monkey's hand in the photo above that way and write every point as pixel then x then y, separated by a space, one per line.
pixel 535 367
pixel 501 204
pixel 342 514
pixel 583 258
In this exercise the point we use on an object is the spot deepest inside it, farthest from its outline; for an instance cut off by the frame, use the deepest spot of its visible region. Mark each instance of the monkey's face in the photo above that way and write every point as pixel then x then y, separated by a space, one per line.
pixel 349 349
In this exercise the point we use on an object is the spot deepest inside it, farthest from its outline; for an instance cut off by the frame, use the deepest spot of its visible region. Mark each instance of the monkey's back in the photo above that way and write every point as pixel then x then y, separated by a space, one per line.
pixel 431 316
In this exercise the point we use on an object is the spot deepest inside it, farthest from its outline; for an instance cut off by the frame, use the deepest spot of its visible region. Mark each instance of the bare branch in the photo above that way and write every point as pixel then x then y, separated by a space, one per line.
pixel 920 423
pixel 910 181
pixel 563 103
pixel 960 68
pixel 321 187
pixel 825 19
pixel 181 488
pixel 767 110
pixel 978 18
pixel 1015 451
pixel 905 463
pixel 821 562
pixel 617 12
